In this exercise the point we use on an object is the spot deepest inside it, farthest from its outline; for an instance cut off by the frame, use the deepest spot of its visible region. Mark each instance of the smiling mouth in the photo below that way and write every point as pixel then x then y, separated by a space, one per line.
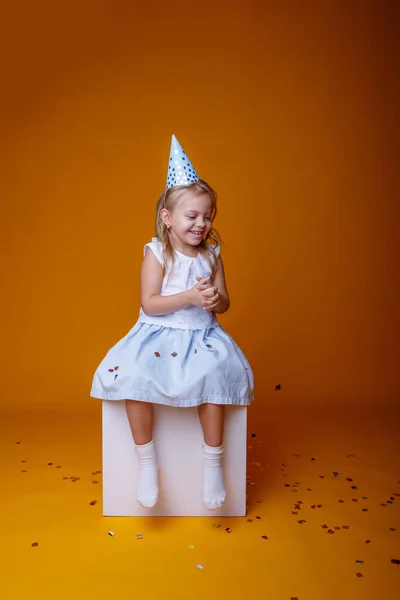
pixel 197 233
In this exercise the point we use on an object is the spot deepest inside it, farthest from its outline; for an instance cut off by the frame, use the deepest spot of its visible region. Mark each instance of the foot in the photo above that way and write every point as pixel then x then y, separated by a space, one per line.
pixel 214 487
pixel 147 486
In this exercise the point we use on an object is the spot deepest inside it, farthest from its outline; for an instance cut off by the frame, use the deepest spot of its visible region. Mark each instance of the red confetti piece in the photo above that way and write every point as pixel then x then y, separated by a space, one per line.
pixel 345 526
pixel 264 537
pixel 313 506
pixel 34 544
pixel 341 501
pixel 359 575
pixel 324 526
pixel 294 512
pixel 321 476
pixel 24 471
pixel 228 530
pixel 93 502
pixel 367 541
pixel 355 499
pixel 330 531
pixel 337 528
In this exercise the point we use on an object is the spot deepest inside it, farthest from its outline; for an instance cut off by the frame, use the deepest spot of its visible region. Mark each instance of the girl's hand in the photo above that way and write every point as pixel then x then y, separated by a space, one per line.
pixel 196 297
pixel 210 296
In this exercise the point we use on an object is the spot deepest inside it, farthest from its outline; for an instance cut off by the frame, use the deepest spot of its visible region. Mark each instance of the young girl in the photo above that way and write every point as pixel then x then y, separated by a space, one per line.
pixel 177 354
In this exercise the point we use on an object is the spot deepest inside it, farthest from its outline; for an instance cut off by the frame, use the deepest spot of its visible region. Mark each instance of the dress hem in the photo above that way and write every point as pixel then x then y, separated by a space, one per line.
pixel 180 403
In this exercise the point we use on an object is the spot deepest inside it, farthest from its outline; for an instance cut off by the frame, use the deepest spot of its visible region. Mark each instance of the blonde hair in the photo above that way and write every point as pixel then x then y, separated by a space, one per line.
pixel 168 200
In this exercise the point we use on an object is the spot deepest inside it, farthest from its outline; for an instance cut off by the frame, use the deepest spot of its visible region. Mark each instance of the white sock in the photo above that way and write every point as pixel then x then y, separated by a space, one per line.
pixel 214 487
pixel 147 487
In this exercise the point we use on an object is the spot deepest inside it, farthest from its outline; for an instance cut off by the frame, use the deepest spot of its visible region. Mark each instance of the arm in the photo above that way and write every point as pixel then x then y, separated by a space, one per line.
pixel 151 280
pixel 153 303
pixel 220 283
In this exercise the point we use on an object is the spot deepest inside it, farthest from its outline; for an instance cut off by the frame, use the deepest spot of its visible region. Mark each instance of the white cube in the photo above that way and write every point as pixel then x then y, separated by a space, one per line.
pixel 178 438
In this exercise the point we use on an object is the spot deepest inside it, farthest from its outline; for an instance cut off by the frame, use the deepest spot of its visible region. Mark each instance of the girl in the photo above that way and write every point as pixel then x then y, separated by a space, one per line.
pixel 177 354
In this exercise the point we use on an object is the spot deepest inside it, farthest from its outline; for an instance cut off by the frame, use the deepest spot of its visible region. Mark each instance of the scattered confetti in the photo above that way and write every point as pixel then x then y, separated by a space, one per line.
pixel 93 502
pixel 301 521
pixel 278 387
pixel 157 354
pixel 367 541
pixel 34 544
pixel 228 530
pixel 259 518
pixel 330 531
pixel 336 474
pixel 58 467
pixel 359 575
pixel 341 501
pixel 49 464
pixel 111 533
pixel 139 536
pixel 359 562
pixel 24 461
pixel 324 526
pixel 264 537
pixel 392 529
pixel 95 481
pixel 191 546
pixel 321 476
pixel 250 520
pixel 216 526
pixel 395 561
pixel 199 567
pixel 24 471
pixel 345 526
pixel 253 435
pixel 349 479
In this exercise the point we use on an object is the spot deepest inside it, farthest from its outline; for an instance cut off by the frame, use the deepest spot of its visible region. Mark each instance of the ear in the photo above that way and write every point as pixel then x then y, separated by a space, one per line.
pixel 165 217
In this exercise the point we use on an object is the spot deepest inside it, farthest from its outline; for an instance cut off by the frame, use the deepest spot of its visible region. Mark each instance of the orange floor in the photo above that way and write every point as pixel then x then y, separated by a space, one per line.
pixel 311 549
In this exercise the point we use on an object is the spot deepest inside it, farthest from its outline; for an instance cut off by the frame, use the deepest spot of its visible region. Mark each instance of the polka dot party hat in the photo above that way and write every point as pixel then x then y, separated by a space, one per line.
pixel 180 169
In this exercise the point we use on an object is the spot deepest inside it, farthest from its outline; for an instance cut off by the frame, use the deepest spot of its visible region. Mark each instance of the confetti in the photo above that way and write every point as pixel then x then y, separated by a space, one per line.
pixel 345 526
pixel 17 442
pixel 139 536
pixel 349 479
pixel 94 481
pixel 24 461
pixel 324 526
pixel 199 567
pixel 65 477
pixel 111 533
pixel 340 501
pixel 277 387
pixel 157 354
pixel 228 530
pixel 337 528
pixel 253 435
pixel 24 471
pixel 330 531
pixel 34 544
pixel 392 529
pixel 321 476
pixel 359 562
pixel 395 561
pixel 359 575
pixel 49 464
pixel 355 499
pixel 191 546
pixel 336 474
pixel 259 518
pixel 249 520
pixel 264 537
pixel 301 521
pixel 216 526
pixel 93 502
pixel 58 467
pixel 367 541
pixel 174 354
pixel 365 509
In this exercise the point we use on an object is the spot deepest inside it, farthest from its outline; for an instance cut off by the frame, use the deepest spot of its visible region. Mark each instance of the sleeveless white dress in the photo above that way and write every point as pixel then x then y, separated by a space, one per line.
pixel 183 359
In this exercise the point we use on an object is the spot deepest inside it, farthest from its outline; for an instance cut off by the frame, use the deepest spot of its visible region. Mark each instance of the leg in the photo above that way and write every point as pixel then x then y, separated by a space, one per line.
pixel 212 421
pixel 141 418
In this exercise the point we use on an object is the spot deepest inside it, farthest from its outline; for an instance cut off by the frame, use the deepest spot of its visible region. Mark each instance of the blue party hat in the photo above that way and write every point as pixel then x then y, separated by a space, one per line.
pixel 180 169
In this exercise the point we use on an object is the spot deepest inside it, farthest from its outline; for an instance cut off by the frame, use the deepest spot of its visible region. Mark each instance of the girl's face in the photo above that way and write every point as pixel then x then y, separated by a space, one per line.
pixel 190 219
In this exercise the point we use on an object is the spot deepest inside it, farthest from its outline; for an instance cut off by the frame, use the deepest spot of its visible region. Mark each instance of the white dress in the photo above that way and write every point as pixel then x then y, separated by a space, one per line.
pixel 184 358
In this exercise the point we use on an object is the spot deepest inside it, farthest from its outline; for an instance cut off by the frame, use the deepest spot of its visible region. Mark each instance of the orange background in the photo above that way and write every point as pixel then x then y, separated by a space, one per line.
pixel 287 109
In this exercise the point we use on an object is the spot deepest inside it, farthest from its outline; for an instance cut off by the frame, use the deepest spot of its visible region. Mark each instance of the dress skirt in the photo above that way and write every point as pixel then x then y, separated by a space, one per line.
pixel 176 367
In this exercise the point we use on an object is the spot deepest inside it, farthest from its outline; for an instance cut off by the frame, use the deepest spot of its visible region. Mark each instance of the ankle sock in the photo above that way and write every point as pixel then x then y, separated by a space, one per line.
pixel 214 487
pixel 147 487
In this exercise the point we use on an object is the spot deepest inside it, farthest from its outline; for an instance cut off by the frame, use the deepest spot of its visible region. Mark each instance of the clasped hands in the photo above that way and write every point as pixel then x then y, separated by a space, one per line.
pixel 205 295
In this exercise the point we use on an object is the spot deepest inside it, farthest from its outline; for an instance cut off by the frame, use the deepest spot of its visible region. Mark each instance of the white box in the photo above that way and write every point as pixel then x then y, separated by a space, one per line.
pixel 178 438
